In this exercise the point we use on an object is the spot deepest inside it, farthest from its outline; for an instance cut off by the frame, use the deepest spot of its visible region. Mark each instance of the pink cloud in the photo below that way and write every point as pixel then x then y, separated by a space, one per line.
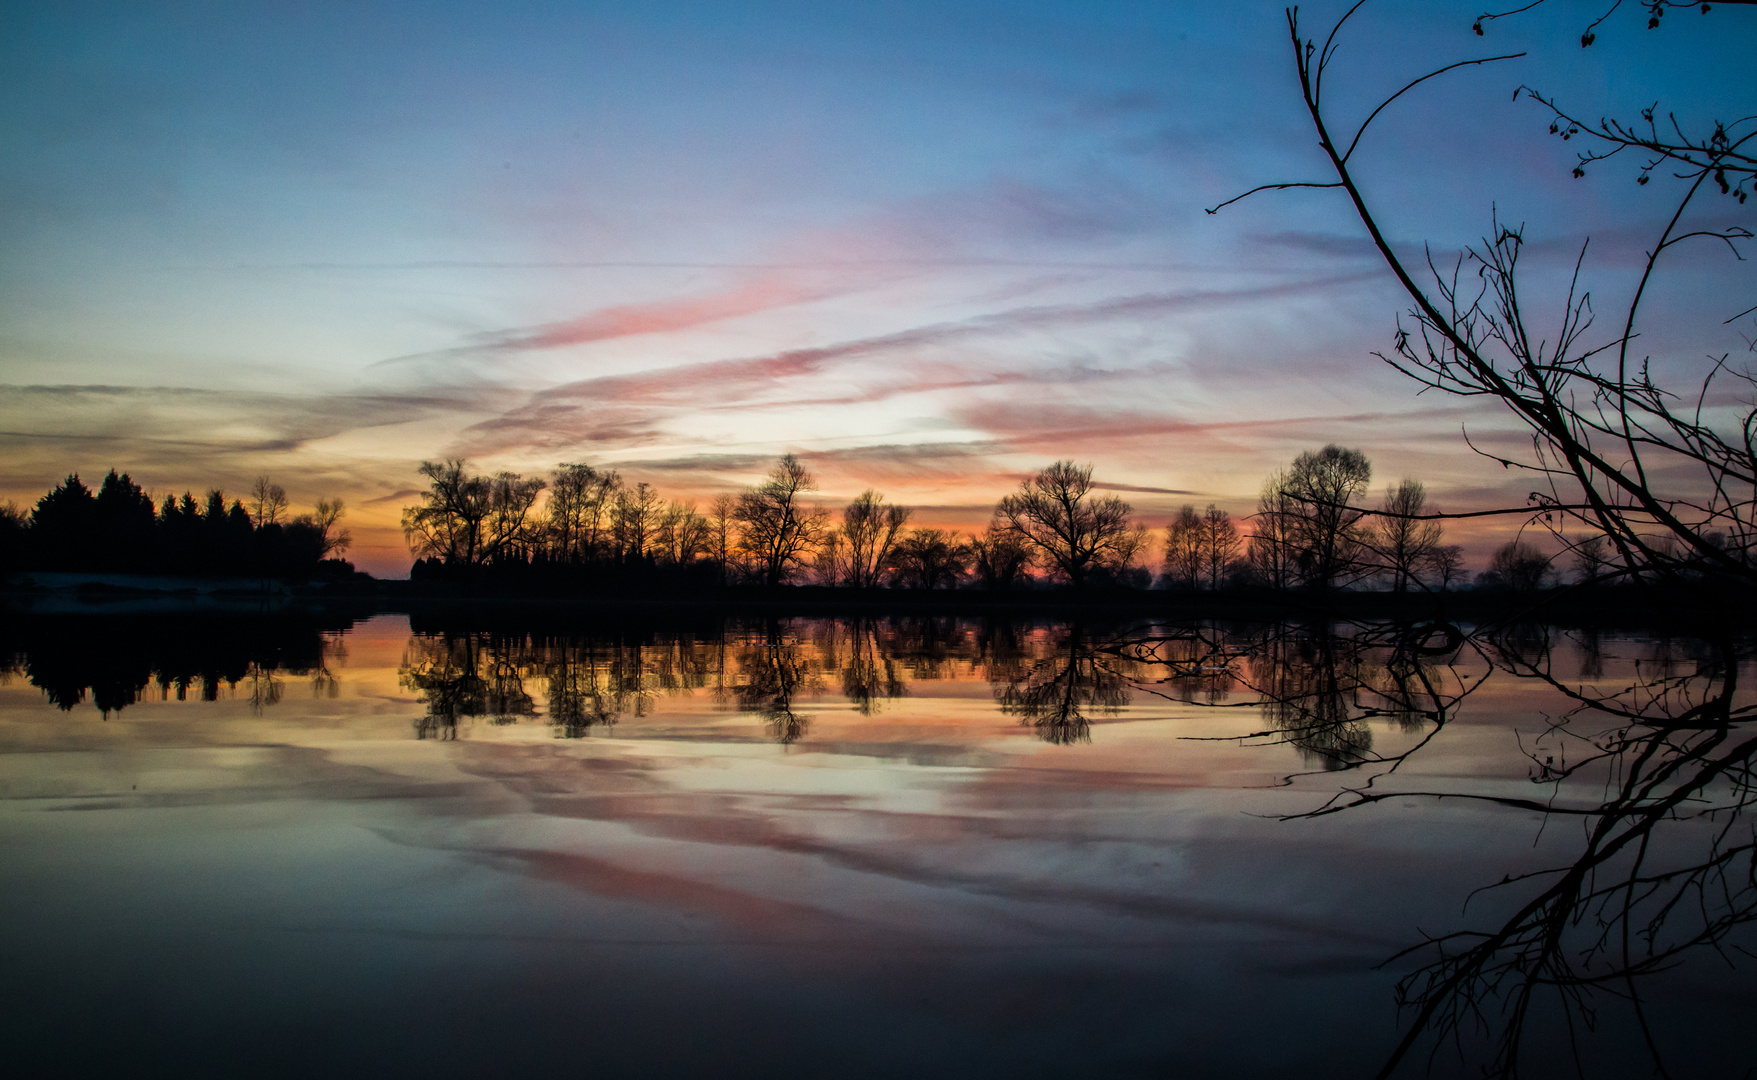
pixel 766 293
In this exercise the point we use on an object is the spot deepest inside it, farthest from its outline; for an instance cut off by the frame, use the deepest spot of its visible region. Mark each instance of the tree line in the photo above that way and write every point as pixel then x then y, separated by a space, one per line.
pixel 585 526
pixel 588 526
pixel 120 528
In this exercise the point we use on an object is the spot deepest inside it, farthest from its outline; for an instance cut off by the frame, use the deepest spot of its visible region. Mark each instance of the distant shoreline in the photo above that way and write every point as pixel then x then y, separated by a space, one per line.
pixel 118 594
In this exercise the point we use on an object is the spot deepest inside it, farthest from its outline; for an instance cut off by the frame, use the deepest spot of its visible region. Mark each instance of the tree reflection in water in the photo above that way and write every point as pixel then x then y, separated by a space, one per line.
pixel 774 670
pixel 588 681
pixel 584 692
pixel 1053 692
pixel 444 670
pixel 871 672
pixel 1649 754
pixel 1657 772
pixel 117 660
pixel 1319 688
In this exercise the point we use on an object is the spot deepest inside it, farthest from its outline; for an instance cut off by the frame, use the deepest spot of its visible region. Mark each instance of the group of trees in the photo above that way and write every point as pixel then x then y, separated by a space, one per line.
pixel 1310 532
pixel 595 527
pixel 121 529
pixel 600 529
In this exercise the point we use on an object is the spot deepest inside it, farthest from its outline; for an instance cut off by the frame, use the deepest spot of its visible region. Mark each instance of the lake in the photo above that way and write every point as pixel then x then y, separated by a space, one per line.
pixel 894 846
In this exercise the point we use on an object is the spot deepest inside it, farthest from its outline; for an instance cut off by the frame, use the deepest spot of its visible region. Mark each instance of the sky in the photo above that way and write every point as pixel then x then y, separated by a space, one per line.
pixel 929 248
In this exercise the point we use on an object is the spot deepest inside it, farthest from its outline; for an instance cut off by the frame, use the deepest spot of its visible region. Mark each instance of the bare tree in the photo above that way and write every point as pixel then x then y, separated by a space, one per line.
pixel 468 521
pixel 1078 535
pixel 684 535
pixel 998 557
pixel 1446 563
pixel 1589 559
pixel 268 503
pixel 580 501
pixel 829 563
pixel 1518 566
pixel 634 521
pixel 1666 478
pixel 323 520
pixel 1271 549
pixel 1406 538
pixel 869 528
pixel 1220 544
pixel 930 559
pixel 722 533
pixel 1321 531
pixel 779 530
pixel 1183 549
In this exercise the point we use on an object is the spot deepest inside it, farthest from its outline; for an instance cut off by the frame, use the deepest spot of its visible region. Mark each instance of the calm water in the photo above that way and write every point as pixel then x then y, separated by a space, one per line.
pixel 896 847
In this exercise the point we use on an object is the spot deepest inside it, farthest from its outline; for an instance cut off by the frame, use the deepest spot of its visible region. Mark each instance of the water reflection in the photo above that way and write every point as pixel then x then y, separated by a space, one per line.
pixel 1658 774
pixel 1053 677
pixel 871 671
pixel 1643 743
pixel 1055 689
pixel 1656 770
pixel 118 661
pixel 773 671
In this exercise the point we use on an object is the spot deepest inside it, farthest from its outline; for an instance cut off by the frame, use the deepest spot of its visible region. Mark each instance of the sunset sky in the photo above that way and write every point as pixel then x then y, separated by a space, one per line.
pixel 927 247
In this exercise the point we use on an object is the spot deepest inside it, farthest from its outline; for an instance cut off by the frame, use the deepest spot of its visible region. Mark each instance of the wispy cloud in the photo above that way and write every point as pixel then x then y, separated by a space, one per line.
pixel 1104 485
pixel 631 408
pixel 765 293
pixel 768 289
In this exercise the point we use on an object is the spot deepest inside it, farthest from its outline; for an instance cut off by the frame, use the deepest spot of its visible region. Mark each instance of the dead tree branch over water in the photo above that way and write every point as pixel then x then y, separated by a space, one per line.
pixel 1667 477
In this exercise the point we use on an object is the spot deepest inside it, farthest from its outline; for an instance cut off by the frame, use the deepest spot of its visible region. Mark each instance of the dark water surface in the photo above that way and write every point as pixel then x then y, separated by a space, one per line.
pixel 891 847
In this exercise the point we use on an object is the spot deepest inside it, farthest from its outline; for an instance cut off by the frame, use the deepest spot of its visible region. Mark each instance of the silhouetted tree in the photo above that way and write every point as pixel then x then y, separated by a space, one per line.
pixel 634 521
pixel 929 559
pixel 829 559
pixel 120 529
pixel 125 525
pixel 1446 563
pixel 1271 551
pixel 1589 559
pixel 1669 486
pixel 683 535
pixel 1078 535
pixel 580 499
pixel 467 521
pixel 722 534
pixel 999 557
pixel 779 530
pixel 1183 549
pixel 63 525
pixel 1322 531
pixel 1406 541
pixel 1518 566
pixel 14 536
pixel 869 529
pixel 1200 547
pixel 180 533
pixel 324 518
pixel 268 503
pixel 1220 544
